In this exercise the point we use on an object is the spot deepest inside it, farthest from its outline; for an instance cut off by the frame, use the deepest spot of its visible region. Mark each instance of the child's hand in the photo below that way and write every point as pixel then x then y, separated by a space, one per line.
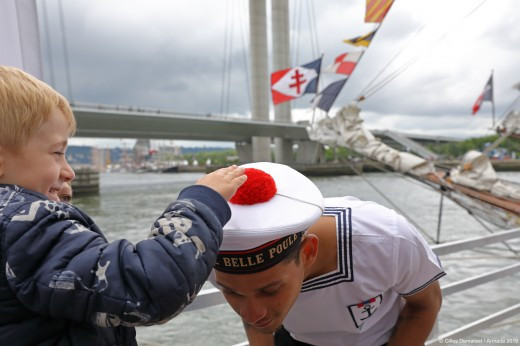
pixel 225 181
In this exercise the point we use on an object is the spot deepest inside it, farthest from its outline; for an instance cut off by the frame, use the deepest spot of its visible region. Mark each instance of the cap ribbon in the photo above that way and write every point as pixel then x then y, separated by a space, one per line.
pixel 260 258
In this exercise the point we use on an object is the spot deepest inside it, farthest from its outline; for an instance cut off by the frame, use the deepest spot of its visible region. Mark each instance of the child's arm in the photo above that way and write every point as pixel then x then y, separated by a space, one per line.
pixel 60 265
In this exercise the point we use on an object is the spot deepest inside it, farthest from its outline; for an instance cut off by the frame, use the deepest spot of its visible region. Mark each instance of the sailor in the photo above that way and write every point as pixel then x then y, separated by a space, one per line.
pixel 303 270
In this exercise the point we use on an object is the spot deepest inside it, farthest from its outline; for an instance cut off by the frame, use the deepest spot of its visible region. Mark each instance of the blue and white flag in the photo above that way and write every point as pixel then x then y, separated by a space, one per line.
pixel 486 95
pixel 327 96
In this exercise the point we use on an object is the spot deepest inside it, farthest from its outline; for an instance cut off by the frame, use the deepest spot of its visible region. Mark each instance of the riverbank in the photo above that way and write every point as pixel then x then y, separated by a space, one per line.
pixel 87 179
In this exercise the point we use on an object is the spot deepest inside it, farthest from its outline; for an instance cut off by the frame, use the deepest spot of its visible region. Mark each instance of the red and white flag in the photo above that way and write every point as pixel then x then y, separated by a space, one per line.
pixel 293 82
pixel 345 63
pixel 487 95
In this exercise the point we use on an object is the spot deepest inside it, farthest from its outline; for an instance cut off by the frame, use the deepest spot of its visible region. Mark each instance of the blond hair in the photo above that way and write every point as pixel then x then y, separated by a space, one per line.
pixel 25 104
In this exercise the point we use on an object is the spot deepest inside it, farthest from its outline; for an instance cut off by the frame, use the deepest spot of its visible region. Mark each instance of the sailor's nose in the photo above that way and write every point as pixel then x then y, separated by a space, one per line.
pixel 252 311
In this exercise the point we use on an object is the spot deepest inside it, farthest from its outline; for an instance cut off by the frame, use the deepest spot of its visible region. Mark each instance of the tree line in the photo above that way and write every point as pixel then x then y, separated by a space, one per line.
pixel 452 150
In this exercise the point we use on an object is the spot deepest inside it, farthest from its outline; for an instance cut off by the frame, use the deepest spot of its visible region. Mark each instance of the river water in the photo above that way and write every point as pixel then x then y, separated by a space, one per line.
pixel 129 203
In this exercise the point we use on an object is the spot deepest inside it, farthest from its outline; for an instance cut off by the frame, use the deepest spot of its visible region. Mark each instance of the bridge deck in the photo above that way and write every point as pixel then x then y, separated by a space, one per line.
pixel 112 122
pixel 124 124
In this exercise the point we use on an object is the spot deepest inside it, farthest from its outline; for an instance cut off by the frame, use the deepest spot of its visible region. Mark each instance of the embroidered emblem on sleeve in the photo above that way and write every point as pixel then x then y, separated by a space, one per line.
pixel 175 221
pixel 360 312
pixel 67 279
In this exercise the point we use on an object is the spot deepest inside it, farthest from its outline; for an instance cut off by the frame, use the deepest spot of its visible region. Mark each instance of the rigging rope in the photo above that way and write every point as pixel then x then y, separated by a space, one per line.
pixel 462 206
pixel 492 232
pixel 395 206
pixel 506 111
pixel 414 59
pixel 314 26
pixel 313 48
pixel 224 60
pixel 293 29
pixel 48 44
pixel 298 26
pixel 233 9
pixel 65 52
pixel 372 81
pixel 230 61
pixel 243 19
pixel 415 180
pixel 313 37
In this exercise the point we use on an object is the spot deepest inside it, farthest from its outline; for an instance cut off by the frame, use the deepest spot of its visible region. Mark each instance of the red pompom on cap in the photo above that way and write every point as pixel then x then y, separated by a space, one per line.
pixel 258 188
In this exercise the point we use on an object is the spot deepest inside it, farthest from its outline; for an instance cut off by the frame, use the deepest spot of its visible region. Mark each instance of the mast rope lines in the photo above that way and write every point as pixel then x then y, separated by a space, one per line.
pixel 374 87
pixel 235 11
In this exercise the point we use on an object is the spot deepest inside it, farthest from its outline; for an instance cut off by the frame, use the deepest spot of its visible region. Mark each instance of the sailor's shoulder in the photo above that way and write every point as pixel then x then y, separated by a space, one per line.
pixel 365 217
pixel 357 204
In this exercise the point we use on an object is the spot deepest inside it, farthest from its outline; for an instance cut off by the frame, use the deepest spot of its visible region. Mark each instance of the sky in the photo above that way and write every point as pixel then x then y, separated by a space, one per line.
pixel 192 56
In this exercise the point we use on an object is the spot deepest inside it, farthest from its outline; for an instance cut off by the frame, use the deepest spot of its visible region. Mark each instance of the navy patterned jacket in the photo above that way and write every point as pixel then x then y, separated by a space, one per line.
pixel 62 283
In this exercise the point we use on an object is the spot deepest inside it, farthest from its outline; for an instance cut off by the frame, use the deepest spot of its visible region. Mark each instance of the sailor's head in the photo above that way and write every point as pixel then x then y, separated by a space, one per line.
pixel 266 252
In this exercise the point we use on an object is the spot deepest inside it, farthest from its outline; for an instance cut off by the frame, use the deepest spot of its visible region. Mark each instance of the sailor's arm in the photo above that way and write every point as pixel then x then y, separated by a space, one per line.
pixel 256 337
pixel 417 318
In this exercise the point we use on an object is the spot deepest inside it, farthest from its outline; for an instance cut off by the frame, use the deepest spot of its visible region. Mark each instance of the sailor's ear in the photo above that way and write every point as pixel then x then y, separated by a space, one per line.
pixel 309 249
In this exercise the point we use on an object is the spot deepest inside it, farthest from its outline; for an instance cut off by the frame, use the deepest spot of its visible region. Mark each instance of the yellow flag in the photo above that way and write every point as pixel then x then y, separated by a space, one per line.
pixel 361 41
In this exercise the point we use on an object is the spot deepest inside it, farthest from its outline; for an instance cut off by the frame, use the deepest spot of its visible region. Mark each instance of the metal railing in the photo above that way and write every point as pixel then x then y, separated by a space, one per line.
pixel 477 325
pixel 156 111
pixel 211 297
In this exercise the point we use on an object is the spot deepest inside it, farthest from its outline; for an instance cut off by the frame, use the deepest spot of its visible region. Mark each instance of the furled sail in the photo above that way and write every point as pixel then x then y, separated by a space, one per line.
pixel 346 130
pixel 511 124
pixel 476 171
pixel 474 184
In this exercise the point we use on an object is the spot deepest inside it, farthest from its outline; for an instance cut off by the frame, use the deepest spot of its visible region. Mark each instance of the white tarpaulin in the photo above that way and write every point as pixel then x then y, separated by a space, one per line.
pixel 19 36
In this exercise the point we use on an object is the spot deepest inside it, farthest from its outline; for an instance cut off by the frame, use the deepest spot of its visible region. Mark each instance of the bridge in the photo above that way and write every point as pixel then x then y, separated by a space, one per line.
pixel 104 121
pixel 125 122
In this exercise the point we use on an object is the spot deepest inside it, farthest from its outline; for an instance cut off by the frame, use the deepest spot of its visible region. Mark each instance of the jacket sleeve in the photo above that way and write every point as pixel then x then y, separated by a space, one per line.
pixel 59 264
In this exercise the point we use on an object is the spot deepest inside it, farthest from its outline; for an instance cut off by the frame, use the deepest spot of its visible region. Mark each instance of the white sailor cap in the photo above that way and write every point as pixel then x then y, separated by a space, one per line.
pixel 268 214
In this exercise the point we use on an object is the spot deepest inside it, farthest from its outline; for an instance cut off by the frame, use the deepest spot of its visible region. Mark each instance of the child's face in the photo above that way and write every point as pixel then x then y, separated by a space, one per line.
pixel 40 165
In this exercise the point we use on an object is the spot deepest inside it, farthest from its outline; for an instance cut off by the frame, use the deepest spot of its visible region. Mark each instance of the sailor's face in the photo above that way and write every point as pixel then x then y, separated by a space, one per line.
pixel 263 299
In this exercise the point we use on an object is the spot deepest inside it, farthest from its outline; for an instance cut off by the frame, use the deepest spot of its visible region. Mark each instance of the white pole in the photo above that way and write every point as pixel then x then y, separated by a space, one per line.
pixel 20 37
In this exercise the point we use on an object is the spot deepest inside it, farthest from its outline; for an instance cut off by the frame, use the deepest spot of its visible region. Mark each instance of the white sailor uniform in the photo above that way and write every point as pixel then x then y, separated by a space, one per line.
pixel 381 258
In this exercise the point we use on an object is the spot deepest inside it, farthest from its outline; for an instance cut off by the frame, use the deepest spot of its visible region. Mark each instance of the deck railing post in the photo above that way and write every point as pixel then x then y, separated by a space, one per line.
pixel 439 220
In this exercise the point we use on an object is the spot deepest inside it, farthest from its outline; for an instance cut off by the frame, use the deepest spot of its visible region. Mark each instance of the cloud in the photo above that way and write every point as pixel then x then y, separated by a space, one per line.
pixel 173 55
